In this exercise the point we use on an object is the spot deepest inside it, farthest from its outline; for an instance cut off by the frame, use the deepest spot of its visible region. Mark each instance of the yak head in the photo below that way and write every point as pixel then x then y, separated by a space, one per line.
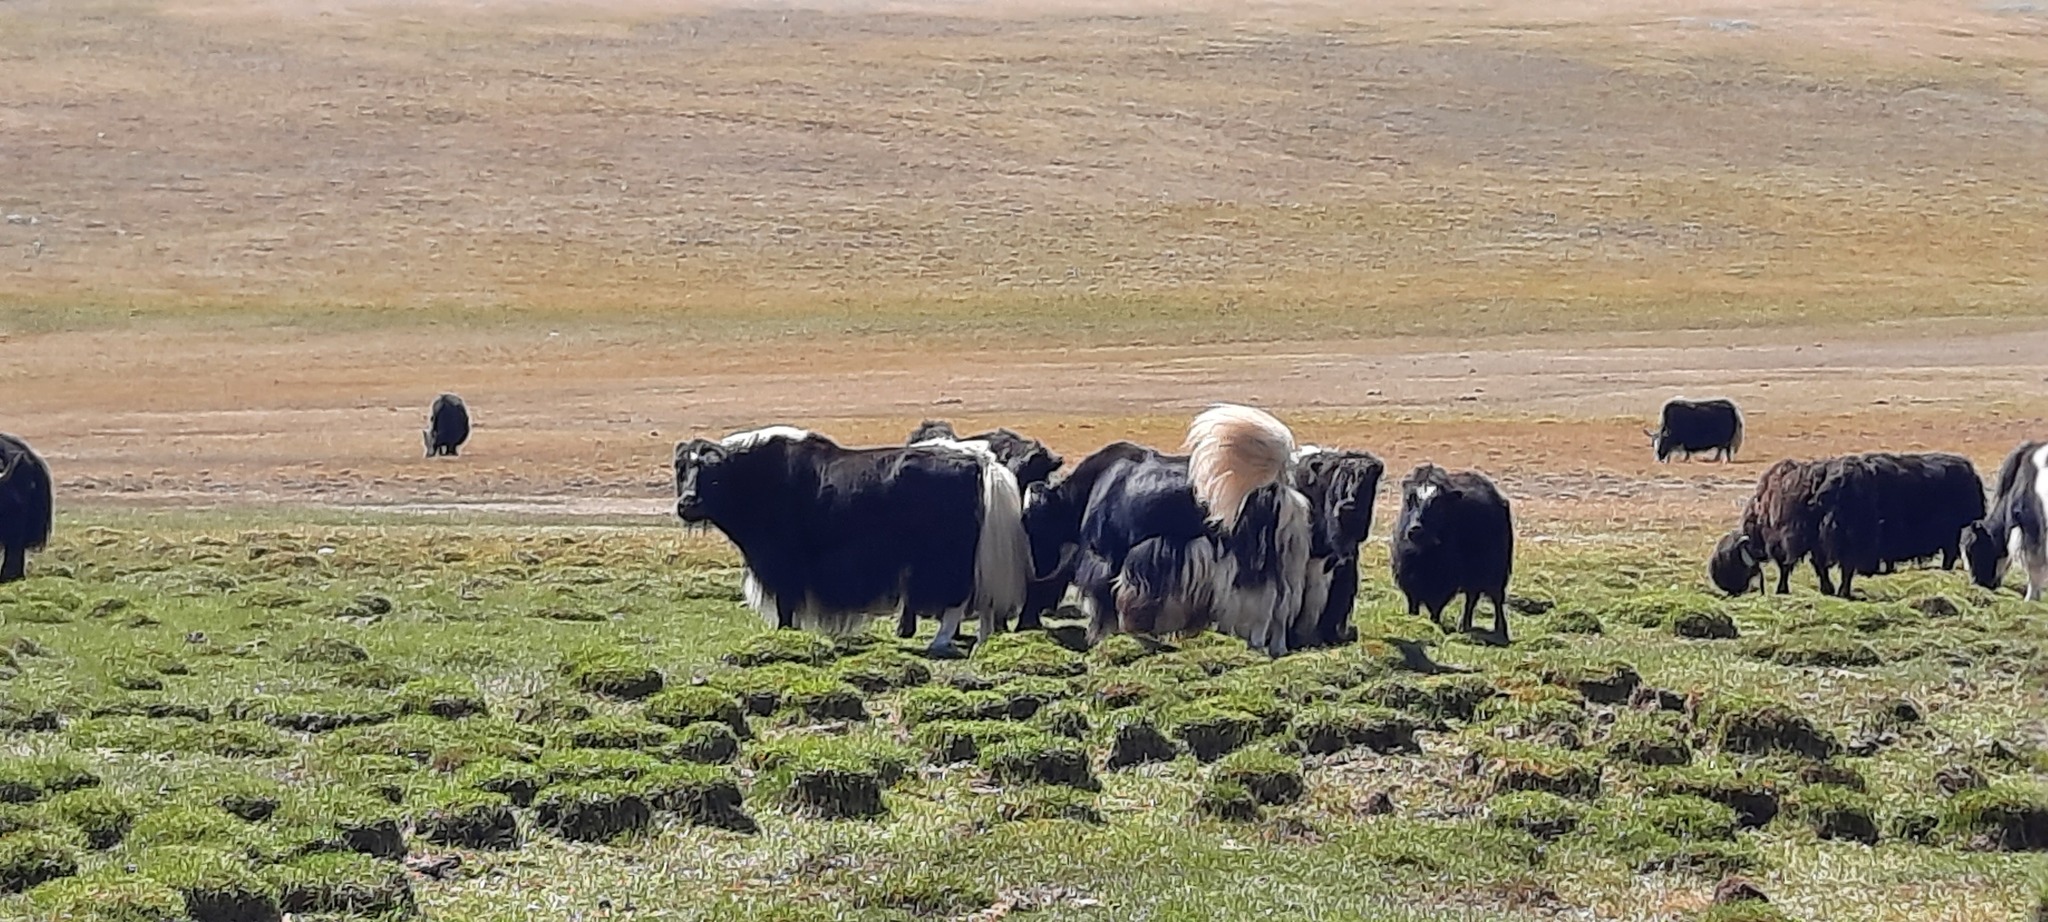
pixel 1026 457
pixel 1340 486
pixel 1660 442
pixel 1424 495
pixel 700 475
pixel 1735 564
pixel 1985 554
pixel 932 429
pixel 716 482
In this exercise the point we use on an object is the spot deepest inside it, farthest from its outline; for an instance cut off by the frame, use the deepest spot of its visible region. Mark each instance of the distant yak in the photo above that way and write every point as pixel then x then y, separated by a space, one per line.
pixel 447 426
pixel 1687 427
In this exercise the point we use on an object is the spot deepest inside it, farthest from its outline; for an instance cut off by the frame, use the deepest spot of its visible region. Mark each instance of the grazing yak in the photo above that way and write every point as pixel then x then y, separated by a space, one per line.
pixel 832 536
pixel 2014 523
pixel 1781 524
pixel 447 426
pixel 1340 487
pixel 1160 545
pixel 1882 508
pixel 1690 426
pixel 25 508
pixel 1859 513
pixel 1456 534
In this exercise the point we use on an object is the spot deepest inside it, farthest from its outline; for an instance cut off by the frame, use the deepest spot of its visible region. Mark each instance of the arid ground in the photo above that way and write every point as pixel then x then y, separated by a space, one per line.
pixel 247 242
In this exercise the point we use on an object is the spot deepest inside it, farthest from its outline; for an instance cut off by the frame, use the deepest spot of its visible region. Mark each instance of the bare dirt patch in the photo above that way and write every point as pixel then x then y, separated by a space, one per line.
pixel 246 241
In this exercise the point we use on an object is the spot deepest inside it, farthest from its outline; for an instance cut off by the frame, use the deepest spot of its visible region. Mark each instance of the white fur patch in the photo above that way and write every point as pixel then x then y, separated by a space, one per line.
pixel 809 615
pixel 2033 549
pixel 1232 451
pixel 754 437
pixel 1424 493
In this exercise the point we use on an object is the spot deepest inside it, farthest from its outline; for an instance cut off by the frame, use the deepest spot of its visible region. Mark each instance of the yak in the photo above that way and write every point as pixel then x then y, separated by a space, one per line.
pixel 25 508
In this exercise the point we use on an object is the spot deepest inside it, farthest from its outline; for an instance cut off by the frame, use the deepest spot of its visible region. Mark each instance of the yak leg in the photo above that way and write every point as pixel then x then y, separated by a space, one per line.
pixel 15 565
pixel 1848 576
pixel 949 628
pixel 2036 560
pixel 906 624
pixel 785 614
pixel 1100 607
pixel 1500 614
pixel 1785 577
pixel 1471 602
pixel 1827 580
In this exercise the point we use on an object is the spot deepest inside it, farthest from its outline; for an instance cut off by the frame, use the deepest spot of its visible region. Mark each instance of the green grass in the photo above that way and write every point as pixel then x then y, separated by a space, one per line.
pixel 970 779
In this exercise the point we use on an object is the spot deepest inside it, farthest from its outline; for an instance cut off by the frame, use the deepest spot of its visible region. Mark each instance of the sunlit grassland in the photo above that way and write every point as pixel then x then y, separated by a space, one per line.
pixel 227 650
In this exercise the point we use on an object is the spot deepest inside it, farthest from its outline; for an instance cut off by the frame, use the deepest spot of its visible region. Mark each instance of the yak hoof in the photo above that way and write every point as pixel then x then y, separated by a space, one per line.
pixel 944 651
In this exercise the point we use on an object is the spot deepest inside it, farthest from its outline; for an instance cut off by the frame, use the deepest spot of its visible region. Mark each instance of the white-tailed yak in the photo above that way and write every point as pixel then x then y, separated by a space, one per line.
pixel 833 536
pixel 1161 545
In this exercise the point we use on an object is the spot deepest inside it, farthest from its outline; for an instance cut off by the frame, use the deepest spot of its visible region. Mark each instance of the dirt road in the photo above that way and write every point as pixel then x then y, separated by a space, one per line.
pixel 581 422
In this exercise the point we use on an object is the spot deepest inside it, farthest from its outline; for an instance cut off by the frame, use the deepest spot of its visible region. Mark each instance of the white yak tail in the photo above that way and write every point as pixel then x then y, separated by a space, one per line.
pixel 1002 554
pixel 1232 451
pixel 1002 557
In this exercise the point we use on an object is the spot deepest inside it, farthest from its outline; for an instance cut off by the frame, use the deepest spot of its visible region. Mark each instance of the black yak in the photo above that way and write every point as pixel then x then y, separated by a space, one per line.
pixel 447 426
pixel 25 508
pixel 1988 544
pixel 1686 427
pixel 1340 487
pixel 832 536
pixel 1456 535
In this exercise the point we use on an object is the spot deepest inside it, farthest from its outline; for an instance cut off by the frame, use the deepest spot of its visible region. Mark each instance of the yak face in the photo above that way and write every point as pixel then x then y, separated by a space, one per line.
pixel 1425 497
pixel 1342 484
pixel 1735 565
pixel 702 472
pixel 1036 465
pixel 1985 553
pixel 1660 442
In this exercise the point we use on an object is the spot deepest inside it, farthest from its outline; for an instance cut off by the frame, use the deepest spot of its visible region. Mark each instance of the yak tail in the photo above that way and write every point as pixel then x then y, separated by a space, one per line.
pixel 1002 554
pixel 1232 451
pixel 1735 441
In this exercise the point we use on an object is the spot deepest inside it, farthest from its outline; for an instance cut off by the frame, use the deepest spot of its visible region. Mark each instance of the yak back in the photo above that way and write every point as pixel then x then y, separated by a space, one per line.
pixel 1782 518
pixel 845 524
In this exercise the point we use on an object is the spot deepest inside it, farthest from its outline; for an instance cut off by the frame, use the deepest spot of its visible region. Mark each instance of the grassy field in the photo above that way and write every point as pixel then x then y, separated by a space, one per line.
pixel 240 710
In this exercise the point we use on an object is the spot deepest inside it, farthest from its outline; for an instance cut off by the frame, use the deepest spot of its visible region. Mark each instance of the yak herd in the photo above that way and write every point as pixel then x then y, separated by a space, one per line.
pixel 1250 535
pixel 1244 531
